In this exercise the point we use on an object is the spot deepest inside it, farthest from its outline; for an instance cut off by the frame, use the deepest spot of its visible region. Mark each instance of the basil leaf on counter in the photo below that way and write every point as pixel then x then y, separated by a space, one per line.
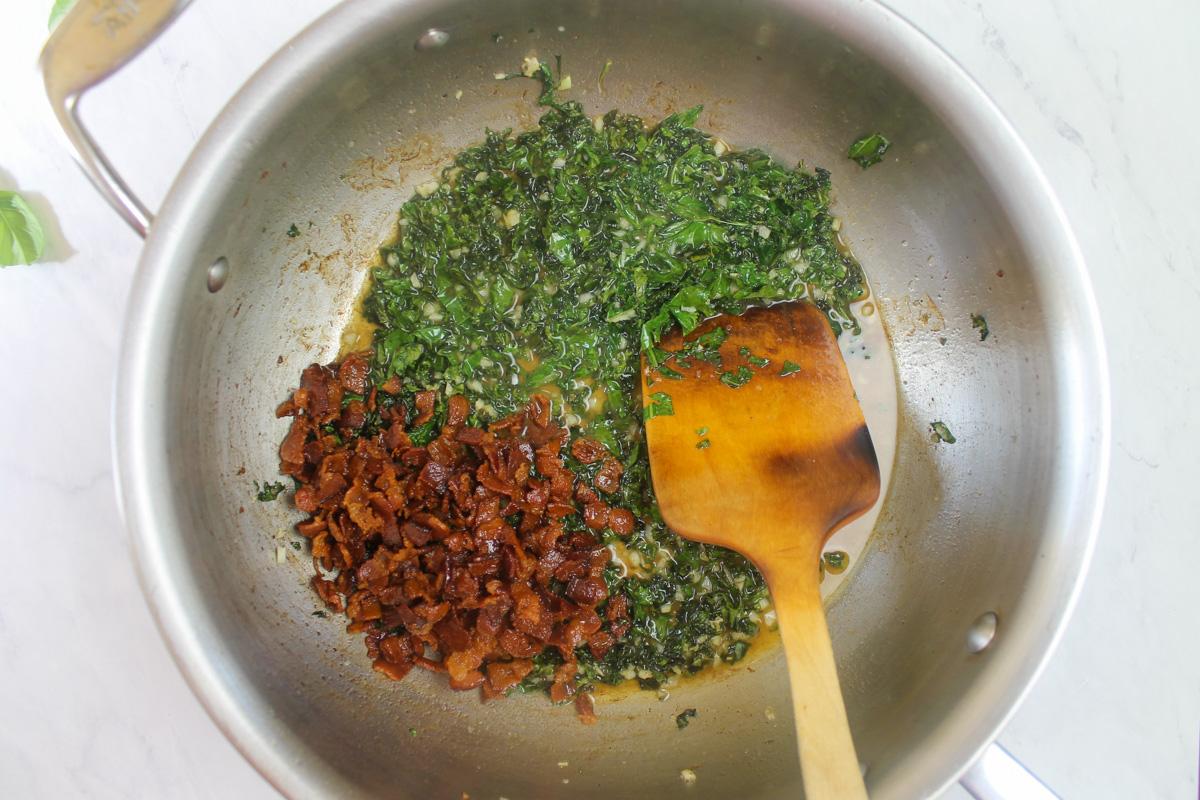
pixel 21 236
pixel 58 11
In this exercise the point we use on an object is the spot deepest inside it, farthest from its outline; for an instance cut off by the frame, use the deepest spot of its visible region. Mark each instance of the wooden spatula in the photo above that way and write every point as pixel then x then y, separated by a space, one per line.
pixel 770 469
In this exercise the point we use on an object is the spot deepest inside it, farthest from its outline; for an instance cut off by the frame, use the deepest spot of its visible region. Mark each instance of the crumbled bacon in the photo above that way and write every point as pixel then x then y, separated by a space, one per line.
pixel 608 479
pixel 621 522
pixel 353 373
pixel 588 451
pixel 414 544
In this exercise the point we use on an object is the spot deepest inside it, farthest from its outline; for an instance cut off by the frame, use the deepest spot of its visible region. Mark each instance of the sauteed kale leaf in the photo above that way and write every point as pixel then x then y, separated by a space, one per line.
pixel 548 261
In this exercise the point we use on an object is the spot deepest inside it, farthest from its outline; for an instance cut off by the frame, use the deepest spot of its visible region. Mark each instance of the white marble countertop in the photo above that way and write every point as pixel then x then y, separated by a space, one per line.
pixel 1104 93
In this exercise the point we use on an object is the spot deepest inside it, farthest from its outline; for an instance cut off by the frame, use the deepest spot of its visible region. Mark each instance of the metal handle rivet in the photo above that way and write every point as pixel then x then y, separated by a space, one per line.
pixel 218 273
pixel 431 40
pixel 982 632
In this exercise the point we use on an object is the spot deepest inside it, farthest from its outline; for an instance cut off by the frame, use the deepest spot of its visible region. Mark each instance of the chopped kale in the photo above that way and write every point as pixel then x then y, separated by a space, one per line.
pixel 788 368
pixel 603 72
pixel 736 378
pixel 942 433
pixel 268 491
pixel 836 561
pixel 977 321
pixel 293 231
pixel 669 373
pixel 705 347
pixel 660 405
pixel 685 719
pixel 869 150
pixel 753 360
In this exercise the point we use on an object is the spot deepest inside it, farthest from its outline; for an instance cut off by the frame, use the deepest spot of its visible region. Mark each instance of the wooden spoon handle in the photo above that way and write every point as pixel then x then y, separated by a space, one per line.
pixel 828 763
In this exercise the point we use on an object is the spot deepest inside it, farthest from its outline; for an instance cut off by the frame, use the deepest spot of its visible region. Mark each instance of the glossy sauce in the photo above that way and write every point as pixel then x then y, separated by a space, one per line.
pixel 873 374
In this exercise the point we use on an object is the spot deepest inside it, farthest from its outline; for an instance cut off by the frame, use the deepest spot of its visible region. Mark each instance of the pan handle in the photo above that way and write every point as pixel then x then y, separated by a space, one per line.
pixel 94 40
pixel 999 776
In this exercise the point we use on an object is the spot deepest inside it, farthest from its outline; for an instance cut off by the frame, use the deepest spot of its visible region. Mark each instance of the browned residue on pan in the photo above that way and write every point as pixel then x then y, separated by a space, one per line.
pixel 385 172
pixel 908 316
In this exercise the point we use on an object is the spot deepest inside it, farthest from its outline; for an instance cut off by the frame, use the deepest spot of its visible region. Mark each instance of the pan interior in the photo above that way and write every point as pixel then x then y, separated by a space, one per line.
pixel 332 137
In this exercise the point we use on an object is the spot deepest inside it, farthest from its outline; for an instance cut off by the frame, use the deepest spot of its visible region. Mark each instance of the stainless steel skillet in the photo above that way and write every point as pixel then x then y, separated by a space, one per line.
pixel 338 129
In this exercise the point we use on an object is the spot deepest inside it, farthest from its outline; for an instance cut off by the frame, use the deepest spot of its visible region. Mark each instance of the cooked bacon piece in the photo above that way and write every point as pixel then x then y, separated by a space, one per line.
pixel 353 416
pixel 392 385
pixel 353 372
pixel 453 556
pixel 424 402
pixel 294 405
pixel 588 451
pixel 587 591
pixel 616 612
pixel 538 429
pixel 306 501
pixel 324 393
pixel 396 672
pixel 328 592
pixel 459 409
pixel 474 436
pixel 504 675
pixel 585 494
pixel 600 643
pixel 519 645
pixel 608 479
pixel 621 521
pixel 435 476
pixel 471 679
pixel 453 634
pixel 584 708
pixel 311 527
pixel 596 515
pixel 564 681
pixel 291 452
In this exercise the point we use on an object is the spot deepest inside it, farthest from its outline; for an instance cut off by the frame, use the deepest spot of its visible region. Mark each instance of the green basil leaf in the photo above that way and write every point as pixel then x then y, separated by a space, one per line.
pixel 21 238
pixel 58 11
